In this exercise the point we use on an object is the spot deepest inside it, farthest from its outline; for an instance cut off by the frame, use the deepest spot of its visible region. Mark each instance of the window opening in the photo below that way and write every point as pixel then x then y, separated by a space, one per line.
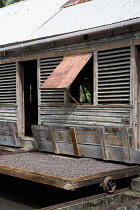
pixel 82 87
pixel 74 75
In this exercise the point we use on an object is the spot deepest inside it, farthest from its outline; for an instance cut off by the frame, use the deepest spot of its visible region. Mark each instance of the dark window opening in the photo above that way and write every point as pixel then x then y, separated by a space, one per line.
pixel 82 87
pixel 30 95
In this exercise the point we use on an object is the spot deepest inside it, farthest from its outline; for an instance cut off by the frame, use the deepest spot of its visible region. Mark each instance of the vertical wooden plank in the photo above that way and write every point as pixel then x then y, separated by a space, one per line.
pixel 53 140
pixel 102 142
pixel 126 145
pixel 38 85
pixel 19 93
pixel 66 97
pixel 134 95
pixel 95 80
pixel 36 135
pixel 16 140
pixel 74 141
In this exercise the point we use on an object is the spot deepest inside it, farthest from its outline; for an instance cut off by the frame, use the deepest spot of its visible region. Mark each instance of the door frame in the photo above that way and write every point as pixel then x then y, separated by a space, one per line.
pixel 20 94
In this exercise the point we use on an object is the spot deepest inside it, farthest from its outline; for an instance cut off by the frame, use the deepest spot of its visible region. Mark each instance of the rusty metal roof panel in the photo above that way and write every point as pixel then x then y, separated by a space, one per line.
pixel 66 72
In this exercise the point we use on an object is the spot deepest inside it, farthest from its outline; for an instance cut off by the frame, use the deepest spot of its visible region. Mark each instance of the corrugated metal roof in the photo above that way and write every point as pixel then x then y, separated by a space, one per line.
pixel 35 19
pixel 20 20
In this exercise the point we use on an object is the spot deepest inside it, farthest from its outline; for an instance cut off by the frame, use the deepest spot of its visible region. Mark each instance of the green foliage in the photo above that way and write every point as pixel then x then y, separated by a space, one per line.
pixel 4 3
pixel 87 96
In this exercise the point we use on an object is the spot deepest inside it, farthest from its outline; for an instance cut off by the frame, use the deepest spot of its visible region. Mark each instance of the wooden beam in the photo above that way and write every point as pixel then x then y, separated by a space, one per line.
pixel 126 145
pixel 102 142
pixel 38 90
pixel 134 95
pixel 52 136
pixel 74 141
pixel 95 82
pixel 72 97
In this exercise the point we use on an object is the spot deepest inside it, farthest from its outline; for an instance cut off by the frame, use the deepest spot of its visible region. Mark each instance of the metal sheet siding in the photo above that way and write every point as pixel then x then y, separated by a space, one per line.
pixel 66 71
pixel 30 20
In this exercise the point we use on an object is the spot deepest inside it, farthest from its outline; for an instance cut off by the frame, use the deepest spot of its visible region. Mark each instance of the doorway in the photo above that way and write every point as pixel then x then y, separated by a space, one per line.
pixel 30 99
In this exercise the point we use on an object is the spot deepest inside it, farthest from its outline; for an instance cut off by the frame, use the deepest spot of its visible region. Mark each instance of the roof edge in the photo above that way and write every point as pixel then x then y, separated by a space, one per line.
pixel 73 34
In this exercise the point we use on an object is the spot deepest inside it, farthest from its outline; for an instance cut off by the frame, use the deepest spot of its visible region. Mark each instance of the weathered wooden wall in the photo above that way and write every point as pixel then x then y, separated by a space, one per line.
pixel 8 113
pixel 108 143
pixel 84 116
pixel 8 105
pixel 9 134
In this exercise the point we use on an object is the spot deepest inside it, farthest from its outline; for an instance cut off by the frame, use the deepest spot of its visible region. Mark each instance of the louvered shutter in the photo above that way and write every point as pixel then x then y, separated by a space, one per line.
pixel 8 83
pixel 114 76
pixel 47 66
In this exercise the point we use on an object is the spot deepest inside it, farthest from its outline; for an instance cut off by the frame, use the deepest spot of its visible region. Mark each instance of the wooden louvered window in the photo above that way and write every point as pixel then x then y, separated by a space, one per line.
pixel 47 66
pixel 8 83
pixel 114 76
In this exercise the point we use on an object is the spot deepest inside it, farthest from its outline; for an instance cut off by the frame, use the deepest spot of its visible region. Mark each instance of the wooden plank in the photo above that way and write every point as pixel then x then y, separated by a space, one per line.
pixel 6 140
pixel 47 146
pixel 103 143
pixel 19 86
pixel 87 135
pixel 126 145
pixel 36 135
pixel 62 134
pixel 90 150
pixel 99 178
pixel 74 141
pixel 53 140
pixel 134 95
pixel 33 176
pixel 65 148
pixel 95 85
pixel 38 85
pixel 16 139
pixel 118 44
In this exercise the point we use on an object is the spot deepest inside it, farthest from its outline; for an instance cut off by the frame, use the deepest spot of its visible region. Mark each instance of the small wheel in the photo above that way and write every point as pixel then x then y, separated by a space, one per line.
pixel 109 185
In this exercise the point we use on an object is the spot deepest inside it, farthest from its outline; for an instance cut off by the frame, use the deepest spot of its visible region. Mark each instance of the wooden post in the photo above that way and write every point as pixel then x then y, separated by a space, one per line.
pixel 134 96
pixel 19 93
pixel 126 145
pixel 38 85
pixel 53 140
pixel 74 141
pixel 95 82
pixel 102 142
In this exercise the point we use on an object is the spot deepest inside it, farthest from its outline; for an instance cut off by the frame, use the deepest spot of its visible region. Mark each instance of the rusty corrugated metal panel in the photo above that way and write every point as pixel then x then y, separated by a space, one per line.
pixel 73 2
pixel 66 72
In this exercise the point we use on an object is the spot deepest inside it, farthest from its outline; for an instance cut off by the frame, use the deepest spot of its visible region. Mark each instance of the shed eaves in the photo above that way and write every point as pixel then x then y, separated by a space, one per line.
pixel 33 20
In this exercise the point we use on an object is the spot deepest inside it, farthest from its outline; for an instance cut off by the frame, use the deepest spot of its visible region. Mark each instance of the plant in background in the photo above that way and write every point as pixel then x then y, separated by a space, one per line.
pixel 4 3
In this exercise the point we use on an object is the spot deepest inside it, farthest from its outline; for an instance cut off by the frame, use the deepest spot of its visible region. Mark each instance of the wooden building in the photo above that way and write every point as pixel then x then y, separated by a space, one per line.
pixel 71 71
